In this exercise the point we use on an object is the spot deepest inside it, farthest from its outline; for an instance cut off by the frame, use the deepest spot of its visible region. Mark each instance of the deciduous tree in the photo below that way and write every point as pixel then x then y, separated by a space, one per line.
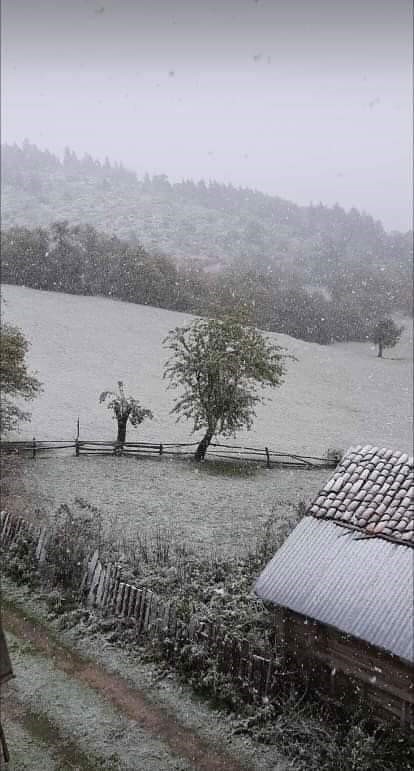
pixel 16 382
pixel 220 366
pixel 386 334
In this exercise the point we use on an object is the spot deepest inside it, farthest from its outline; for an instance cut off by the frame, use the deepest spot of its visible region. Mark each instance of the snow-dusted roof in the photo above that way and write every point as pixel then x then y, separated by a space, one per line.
pixel 363 587
pixel 350 562
pixel 372 490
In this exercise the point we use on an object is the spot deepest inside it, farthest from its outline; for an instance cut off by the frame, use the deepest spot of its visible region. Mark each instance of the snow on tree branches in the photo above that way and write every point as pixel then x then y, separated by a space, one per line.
pixel 220 366
pixel 125 409
pixel 386 334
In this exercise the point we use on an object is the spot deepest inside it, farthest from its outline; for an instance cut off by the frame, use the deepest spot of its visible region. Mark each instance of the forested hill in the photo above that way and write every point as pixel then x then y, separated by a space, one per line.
pixel 219 223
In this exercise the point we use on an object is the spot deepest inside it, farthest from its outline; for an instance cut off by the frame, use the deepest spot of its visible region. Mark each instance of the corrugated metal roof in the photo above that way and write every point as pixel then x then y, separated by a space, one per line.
pixel 371 490
pixel 362 586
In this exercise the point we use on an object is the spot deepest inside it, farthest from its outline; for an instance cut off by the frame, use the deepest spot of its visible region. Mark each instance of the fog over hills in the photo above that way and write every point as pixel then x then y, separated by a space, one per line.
pixel 86 227
pixel 310 101
pixel 189 219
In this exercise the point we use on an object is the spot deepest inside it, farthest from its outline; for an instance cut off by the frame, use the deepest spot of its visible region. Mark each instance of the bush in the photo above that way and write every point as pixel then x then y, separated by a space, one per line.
pixel 75 535
pixel 19 560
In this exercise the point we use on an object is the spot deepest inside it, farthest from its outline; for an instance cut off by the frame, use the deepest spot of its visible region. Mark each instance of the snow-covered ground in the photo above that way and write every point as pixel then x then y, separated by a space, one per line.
pixel 210 513
pixel 333 396
pixel 55 718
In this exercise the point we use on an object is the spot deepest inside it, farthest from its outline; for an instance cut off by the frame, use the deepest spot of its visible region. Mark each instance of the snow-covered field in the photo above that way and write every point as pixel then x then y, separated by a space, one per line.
pixel 333 396
pixel 210 513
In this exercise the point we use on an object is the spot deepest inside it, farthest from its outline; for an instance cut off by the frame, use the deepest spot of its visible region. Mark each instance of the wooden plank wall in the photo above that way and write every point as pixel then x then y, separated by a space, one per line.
pixel 343 666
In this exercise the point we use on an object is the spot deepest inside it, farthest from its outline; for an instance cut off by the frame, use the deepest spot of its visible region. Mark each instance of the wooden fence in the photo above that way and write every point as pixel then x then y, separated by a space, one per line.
pixel 254 671
pixel 265 456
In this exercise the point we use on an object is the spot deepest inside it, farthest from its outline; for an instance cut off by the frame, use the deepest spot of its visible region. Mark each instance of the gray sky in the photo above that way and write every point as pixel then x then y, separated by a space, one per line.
pixel 306 99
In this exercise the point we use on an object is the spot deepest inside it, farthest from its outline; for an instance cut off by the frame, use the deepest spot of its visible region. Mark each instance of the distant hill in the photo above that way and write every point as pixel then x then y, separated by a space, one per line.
pixel 315 273
pixel 220 224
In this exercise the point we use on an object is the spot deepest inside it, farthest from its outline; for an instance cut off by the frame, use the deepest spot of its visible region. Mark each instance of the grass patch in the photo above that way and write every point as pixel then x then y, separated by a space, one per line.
pixel 67 752
pixel 74 535
pixel 321 738
pixel 23 647
pixel 230 468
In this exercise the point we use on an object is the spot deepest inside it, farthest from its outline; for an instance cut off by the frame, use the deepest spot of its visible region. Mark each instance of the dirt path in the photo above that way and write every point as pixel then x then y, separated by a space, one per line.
pixel 52 718
pixel 32 733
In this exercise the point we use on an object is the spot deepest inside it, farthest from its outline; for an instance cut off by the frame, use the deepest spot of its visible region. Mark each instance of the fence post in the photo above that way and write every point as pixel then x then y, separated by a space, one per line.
pixel 161 449
pixel 34 448
pixel 334 457
pixel 267 457
pixel 77 448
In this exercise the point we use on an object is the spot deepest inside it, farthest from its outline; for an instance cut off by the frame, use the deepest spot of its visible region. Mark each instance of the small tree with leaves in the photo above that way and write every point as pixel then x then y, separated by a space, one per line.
pixel 124 409
pixel 16 382
pixel 220 367
pixel 386 334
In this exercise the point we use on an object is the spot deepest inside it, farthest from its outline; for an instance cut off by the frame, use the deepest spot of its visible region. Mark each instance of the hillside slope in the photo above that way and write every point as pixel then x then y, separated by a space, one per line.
pixel 333 396
pixel 217 223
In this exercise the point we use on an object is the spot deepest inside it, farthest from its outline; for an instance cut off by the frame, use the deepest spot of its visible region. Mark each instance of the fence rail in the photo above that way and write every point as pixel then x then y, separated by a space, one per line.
pixel 268 457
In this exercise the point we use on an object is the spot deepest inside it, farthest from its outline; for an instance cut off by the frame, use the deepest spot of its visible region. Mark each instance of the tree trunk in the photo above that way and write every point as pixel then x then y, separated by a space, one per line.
pixel 122 426
pixel 203 446
pixel 380 346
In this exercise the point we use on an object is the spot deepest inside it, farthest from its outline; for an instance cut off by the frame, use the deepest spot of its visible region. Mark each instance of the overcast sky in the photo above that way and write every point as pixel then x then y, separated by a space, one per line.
pixel 306 99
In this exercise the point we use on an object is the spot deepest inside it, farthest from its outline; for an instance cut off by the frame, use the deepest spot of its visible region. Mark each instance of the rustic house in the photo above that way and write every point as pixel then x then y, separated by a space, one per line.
pixel 343 585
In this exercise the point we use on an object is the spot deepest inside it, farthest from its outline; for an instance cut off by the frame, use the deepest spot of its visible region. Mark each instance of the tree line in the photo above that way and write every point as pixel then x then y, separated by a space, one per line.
pixel 222 224
pixel 79 259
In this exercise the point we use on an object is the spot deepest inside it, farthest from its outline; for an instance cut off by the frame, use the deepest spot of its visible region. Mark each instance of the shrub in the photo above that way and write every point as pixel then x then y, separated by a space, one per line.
pixel 75 535
pixel 320 738
pixel 19 560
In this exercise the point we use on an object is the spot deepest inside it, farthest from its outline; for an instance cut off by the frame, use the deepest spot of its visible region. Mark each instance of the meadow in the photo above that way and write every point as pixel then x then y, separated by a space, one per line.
pixel 333 397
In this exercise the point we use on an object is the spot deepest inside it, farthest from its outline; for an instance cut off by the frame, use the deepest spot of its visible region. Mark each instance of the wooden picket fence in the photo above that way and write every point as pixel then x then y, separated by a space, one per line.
pixel 255 672
pixel 222 452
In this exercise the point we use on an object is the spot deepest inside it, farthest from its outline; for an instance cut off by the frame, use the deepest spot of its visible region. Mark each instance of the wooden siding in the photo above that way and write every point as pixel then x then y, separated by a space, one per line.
pixel 342 668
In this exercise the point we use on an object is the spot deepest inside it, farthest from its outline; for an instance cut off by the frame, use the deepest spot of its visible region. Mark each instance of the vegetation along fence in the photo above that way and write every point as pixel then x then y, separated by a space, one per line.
pixel 255 672
pixel 269 458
